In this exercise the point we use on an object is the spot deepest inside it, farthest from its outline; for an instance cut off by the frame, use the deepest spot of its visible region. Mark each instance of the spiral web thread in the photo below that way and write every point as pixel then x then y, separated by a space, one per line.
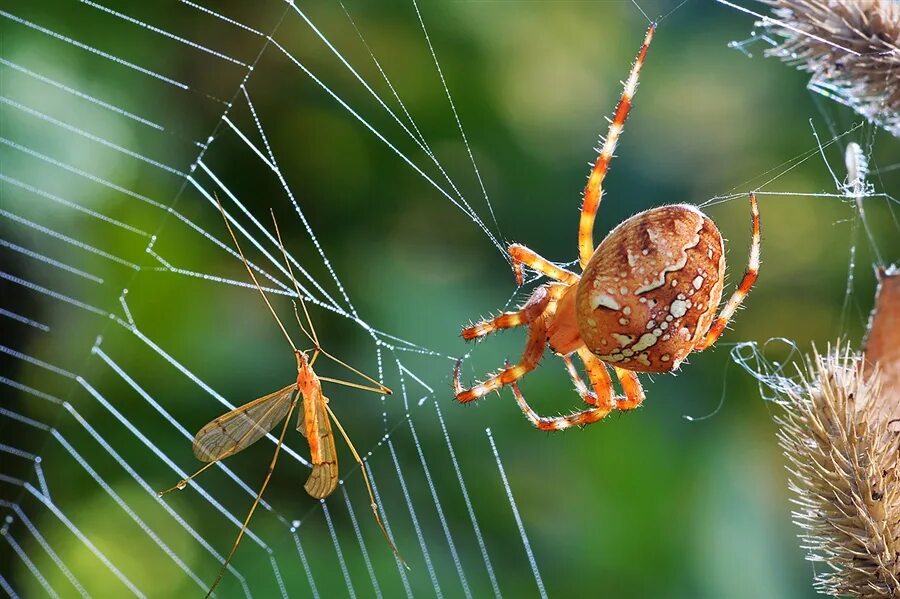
pixel 54 238
pixel 82 414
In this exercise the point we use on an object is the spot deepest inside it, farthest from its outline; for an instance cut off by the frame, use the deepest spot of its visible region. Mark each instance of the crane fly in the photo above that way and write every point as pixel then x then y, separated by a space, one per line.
pixel 241 427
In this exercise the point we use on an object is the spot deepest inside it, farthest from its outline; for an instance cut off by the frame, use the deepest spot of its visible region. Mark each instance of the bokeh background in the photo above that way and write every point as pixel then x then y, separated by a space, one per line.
pixel 649 504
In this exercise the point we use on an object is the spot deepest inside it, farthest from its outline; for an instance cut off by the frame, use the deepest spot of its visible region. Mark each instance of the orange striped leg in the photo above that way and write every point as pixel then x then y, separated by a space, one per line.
pixel 598 375
pixel 600 380
pixel 718 325
pixel 634 392
pixel 534 349
pixel 559 423
pixel 533 308
pixel 594 188
pixel 522 255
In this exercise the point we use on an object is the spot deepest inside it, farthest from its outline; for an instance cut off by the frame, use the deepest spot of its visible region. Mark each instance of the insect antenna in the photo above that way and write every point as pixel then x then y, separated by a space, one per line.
pixel 253 276
pixel 311 333
pixel 362 467
pixel 259 495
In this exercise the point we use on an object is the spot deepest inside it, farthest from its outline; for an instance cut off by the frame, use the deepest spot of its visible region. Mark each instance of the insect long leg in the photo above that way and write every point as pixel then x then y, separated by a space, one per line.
pixel 593 191
pixel 718 325
pixel 362 469
pixel 183 482
pixel 314 356
pixel 256 501
pixel 253 276
pixel 311 333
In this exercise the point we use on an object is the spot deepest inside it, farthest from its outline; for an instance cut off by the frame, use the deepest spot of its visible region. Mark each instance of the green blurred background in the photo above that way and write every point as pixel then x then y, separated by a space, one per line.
pixel 648 504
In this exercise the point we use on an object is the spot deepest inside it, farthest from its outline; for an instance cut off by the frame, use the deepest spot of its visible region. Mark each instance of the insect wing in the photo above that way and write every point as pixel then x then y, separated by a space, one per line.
pixel 239 428
pixel 301 421
pixel 323 479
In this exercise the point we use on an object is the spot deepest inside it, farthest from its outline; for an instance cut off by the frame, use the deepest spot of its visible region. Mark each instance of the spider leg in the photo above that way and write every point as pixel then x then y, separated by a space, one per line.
pixel 528 313
pixel 717 327
pixel 634 392
pixel 522 255
pixel 602 383
pixel 594 188
pixel 558 423
pixel 534 349
pixel 601 398
pixel 598 375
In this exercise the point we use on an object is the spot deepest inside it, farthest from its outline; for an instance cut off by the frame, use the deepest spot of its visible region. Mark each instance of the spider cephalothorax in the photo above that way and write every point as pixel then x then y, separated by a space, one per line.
pixel 646 298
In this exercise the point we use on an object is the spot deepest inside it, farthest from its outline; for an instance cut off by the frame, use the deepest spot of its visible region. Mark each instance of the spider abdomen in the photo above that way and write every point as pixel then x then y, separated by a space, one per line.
pixel 651 288
pixel 647 296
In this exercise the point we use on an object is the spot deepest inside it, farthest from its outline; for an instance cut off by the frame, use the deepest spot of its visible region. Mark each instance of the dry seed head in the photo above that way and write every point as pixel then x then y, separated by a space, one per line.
pixel 851 48
pixel 843 462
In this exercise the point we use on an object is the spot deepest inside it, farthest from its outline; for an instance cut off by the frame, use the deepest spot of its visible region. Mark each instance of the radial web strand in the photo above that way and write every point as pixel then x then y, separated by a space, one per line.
pixel 117 411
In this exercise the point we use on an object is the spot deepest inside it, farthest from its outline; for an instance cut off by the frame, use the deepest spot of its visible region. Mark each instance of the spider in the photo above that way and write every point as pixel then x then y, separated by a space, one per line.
pixel 646 298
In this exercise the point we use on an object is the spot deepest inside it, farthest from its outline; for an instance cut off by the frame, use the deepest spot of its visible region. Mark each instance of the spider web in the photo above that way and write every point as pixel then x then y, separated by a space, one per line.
pixel 860 162
pixel 117 415
pixel 84 416
pixel 849 156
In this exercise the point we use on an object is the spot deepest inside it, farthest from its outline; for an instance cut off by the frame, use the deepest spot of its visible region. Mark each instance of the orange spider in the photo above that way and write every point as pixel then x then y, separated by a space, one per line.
pixel 646 298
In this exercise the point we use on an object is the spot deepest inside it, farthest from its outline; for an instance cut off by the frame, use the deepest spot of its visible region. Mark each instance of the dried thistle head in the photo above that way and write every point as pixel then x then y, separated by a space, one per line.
pixel 843 461
pixel 851 48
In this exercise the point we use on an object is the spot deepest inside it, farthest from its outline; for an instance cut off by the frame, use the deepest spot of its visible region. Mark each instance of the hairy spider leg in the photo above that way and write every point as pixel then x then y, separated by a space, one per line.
pixel 534 350
pixel 594 188
pixel 536 305
pixel 521 255
pixel 558 423
pixel 602 383
pixel 631 386
pixel 717 327
pixel 601 396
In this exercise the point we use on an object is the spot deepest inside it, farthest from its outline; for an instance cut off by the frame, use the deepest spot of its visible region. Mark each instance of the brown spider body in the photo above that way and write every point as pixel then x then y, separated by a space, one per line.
pixel 646 298
pixel 652 288
pixel 649 292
